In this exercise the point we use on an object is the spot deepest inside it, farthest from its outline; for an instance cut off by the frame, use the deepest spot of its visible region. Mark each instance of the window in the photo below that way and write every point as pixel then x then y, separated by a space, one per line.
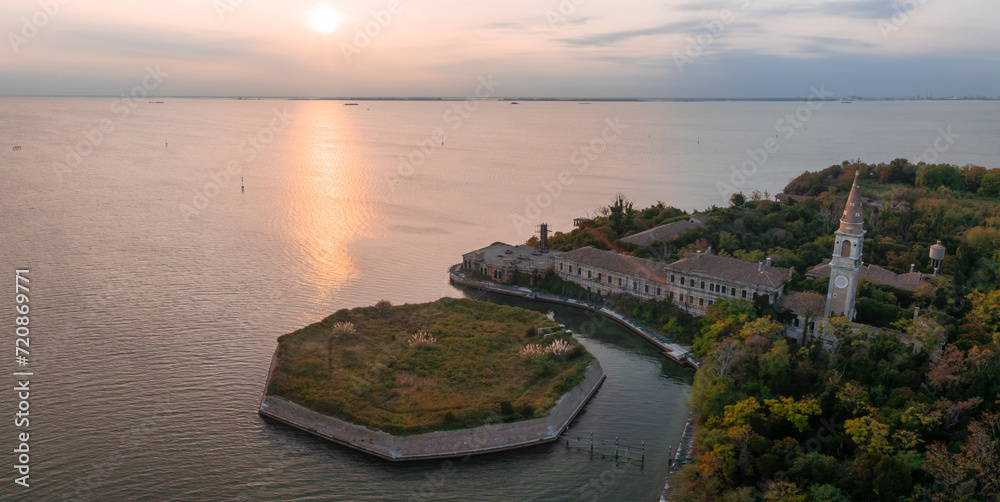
pixel 710 302
pixel 671 278
pixel 658 291
pixel 702 284
pixel 635 286
pixel 845 249
pixel 744 293
pixel 609 280
pixel 682 281
pixel 681 298
pixel 599 276
pixel 578 270
pixel 754 295
pixel 619 281
pixel 647 289
pixel 723 290
pixel 701 302
pixel 690 299
pixel 589 274
pixel 671 295
pixel 796 322
pixel 734 292
pixel 560 267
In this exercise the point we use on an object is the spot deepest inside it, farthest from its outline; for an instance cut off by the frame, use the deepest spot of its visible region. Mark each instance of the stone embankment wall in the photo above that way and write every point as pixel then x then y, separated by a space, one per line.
pixel 483 439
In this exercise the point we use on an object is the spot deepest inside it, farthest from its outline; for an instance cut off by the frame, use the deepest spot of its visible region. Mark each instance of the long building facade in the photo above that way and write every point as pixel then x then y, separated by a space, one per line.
pixel 695 282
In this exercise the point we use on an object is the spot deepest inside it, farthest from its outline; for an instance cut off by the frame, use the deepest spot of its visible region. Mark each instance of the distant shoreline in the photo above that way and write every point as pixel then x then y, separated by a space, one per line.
pixel 529 99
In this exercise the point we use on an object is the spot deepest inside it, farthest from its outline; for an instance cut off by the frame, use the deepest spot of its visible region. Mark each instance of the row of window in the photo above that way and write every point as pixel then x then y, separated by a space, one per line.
pixel 689 282
pixel 713 287
pixel 611 279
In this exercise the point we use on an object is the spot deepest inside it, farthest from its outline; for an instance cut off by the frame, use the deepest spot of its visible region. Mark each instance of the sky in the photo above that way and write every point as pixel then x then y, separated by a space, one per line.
pixel 534 48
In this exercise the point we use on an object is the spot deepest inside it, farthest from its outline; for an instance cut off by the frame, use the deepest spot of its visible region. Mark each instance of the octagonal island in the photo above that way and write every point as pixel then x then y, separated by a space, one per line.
pixel 448 378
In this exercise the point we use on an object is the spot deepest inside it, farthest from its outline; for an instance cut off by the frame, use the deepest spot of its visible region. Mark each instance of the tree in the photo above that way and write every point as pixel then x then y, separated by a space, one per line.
pixel 621 214
pixel 869 434
pixel 989 185
pixel 826 493
pixel 738 199
pixel 971 472
pixel 776 362
pixel 795 412
pixel 839 334
pixel 946 369
pixel 932 176
pixel 854 399
pixel 784 491
pixel 984 317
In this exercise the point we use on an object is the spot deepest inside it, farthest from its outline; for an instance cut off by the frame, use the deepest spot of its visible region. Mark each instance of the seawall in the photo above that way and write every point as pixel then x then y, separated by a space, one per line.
pixel 444 444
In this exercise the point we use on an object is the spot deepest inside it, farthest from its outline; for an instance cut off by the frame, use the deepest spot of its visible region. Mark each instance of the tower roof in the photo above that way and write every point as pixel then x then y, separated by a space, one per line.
pixel 851 221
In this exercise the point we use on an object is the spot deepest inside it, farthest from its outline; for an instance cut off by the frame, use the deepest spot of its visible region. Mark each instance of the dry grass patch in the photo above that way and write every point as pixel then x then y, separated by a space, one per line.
pixel 466 367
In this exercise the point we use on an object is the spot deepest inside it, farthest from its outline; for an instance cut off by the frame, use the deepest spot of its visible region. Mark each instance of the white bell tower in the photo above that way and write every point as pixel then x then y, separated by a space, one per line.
pixel 846 262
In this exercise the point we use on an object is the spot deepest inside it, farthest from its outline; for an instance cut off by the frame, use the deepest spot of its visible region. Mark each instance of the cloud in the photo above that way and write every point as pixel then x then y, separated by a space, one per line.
pixel 612 38
pixel 150 44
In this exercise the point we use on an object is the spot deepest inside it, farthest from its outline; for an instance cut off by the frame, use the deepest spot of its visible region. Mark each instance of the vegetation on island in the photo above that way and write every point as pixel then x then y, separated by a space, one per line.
pixel 904 410
pixel 862 417
pixel 909 208
pixel 444 365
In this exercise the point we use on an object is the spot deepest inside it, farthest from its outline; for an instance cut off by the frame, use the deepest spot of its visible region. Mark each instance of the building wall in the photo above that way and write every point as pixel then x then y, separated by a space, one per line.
pixel 606 282
pixel 799 326
pixel 695 294
pixel 503 273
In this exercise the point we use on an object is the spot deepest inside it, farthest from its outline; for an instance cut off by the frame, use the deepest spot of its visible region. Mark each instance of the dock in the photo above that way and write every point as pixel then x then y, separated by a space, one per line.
pixel 603 444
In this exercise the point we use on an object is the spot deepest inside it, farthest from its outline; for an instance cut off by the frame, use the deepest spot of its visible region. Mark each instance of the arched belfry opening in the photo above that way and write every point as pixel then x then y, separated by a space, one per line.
pixel 845 249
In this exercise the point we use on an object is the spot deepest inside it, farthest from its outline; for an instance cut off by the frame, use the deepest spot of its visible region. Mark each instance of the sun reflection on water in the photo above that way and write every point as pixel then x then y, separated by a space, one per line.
pixel 329 205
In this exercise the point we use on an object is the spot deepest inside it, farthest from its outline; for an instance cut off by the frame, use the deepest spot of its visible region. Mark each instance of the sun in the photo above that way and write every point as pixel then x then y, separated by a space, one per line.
pixel 324 18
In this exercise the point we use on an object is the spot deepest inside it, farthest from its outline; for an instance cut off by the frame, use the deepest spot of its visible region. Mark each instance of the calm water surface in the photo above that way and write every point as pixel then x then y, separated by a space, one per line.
pixel 158 286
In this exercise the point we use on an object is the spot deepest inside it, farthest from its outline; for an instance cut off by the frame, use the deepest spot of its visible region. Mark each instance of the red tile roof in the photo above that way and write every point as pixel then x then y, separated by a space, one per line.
pixel 730 269
pixel 618 263
pixel 666 232
pixel 805 303
pixel 909 281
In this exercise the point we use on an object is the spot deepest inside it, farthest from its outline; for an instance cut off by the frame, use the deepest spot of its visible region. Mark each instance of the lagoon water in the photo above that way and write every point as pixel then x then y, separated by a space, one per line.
pixel 158 286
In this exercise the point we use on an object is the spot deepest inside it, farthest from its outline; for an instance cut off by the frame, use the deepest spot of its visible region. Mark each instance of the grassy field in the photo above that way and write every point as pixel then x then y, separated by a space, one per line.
pixel 449 364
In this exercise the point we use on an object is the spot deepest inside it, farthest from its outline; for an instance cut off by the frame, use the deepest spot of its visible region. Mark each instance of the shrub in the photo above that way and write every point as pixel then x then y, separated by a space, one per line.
pixel 383 307
pixel 421 339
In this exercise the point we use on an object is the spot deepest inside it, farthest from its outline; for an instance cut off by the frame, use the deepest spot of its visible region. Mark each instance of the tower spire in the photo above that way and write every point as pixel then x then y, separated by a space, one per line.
pixel 851 221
